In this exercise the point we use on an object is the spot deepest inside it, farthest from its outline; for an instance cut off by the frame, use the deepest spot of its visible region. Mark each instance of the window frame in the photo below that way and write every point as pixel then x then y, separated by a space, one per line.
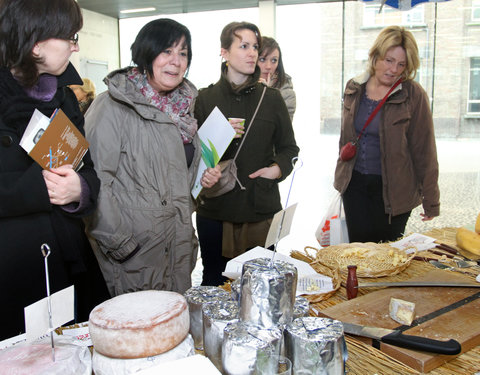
pixel 469 100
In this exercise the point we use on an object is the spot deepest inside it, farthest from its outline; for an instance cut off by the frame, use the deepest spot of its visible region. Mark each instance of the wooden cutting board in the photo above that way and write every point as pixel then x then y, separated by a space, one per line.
pixel 442 313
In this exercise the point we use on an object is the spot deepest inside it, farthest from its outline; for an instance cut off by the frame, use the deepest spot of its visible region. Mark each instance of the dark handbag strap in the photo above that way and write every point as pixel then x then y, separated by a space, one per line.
pixel 377 108
pixel 251 122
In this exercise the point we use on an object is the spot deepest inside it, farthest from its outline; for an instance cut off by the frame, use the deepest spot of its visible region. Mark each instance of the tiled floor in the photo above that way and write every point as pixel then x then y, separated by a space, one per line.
pixel 312 188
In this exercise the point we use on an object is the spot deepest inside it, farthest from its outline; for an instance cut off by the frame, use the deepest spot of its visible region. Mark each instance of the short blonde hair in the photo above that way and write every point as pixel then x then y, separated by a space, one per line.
pixel 88 88
pixel 395 36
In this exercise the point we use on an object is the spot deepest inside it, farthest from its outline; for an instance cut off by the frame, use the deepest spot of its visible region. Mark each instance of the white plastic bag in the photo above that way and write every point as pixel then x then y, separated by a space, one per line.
pixel 332 230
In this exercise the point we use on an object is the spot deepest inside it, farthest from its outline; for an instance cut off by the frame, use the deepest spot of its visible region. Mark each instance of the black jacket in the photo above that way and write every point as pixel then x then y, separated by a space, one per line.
pixel 271 140
pixel 28 219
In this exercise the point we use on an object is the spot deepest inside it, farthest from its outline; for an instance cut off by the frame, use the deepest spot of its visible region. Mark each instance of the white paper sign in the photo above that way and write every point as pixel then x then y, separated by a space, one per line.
pixel 13 341
pixel 306 274
pixel 36 315
pixel 420 241
pixel 81 336
pixel 314 284
pixel 215 135
pixel 281 225
pixel 196 364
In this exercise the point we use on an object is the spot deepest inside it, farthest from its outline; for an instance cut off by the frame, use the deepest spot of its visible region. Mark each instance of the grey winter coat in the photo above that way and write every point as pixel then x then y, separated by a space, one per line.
pixel 142 231
pixel 288 95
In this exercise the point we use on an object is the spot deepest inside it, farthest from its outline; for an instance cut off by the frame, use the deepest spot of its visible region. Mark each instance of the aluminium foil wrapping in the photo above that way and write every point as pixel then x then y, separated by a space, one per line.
pixel 267 292
pixel 216 316
pixel 235 286
pixel 244 342
pixel 301 307
pixel 316 346
pixel 196 296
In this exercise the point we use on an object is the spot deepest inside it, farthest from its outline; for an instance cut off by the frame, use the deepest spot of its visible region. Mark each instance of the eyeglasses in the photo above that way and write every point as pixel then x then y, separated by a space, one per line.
pixel 74 39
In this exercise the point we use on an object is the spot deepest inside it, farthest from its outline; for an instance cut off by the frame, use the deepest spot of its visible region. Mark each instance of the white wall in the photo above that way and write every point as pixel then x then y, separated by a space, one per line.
pixel 205 28
pixel 99 46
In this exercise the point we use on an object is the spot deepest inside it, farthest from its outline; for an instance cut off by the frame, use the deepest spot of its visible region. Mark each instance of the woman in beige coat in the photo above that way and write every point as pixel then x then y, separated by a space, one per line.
pixel 144 143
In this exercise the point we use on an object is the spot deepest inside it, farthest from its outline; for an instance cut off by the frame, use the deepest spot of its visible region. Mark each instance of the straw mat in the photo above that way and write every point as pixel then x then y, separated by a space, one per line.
pixel 364 359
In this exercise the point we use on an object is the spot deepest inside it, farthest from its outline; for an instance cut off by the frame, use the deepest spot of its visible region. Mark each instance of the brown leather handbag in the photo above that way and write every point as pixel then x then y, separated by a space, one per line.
pixel 349 150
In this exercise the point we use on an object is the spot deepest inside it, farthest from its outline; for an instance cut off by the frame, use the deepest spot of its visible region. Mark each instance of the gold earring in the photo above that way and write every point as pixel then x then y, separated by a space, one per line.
pixel 226 63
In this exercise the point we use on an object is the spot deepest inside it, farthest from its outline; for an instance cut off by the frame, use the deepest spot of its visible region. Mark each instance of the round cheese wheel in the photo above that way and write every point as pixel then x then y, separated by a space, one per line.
pixel 139 324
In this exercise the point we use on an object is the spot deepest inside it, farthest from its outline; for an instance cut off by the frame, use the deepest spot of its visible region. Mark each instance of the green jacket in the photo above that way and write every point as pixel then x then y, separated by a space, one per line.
pixel 407 146
pixel 271 140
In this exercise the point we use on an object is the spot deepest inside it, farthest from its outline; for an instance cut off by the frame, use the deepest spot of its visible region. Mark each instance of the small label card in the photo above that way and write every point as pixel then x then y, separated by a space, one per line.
pixel 36 315
pixel 281 225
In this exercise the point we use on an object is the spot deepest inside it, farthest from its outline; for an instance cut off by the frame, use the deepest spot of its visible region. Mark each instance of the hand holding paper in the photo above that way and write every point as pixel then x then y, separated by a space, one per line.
pixel 215 135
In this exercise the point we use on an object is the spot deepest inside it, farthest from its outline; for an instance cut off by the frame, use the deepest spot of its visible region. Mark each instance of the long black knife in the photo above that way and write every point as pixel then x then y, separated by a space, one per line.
pixel 397 338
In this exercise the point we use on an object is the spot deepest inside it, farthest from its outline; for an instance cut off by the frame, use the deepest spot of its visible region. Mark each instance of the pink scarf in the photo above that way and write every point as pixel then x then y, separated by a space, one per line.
pixel 176 104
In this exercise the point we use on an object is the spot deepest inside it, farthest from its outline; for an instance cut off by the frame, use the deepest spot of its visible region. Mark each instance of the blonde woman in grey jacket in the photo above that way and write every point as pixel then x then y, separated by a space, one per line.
pixel 144 143
pixel 273 73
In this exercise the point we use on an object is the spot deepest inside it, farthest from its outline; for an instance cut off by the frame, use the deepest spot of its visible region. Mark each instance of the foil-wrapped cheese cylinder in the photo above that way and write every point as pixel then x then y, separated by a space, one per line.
pixel 235 286
pixel 244 342
pixel 196 296
pixel 301 308
pixel 316 346
pixel 267 292
pixel 216 316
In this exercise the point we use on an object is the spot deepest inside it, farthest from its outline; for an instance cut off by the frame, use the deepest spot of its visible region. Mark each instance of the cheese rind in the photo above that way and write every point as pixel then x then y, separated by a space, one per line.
pixel 139 324
pixel 402 311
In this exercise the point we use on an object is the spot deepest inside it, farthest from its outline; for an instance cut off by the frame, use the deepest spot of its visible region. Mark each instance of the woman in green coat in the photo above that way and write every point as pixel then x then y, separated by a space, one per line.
pixel 234 222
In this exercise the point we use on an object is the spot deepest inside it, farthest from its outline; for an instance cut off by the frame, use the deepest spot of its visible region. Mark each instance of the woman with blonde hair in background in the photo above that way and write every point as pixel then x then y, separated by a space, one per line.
pixel 395 167
pixel 85 94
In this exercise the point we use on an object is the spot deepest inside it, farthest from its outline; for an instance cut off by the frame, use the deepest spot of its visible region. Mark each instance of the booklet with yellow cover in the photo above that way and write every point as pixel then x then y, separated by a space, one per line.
pixel 53 142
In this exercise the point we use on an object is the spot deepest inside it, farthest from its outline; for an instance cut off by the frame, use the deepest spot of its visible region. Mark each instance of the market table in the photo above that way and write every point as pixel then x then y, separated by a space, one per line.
pixel 365 359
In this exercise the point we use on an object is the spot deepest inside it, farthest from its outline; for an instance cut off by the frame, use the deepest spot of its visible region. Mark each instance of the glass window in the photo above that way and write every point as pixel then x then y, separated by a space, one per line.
pixel 474 86
pixel 476 10
pixel 372 16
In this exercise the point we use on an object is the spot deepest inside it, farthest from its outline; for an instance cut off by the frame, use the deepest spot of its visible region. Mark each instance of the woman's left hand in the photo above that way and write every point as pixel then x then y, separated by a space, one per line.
pixel 426 218
pixel 211 176
pixel 273 172
pixel 63 185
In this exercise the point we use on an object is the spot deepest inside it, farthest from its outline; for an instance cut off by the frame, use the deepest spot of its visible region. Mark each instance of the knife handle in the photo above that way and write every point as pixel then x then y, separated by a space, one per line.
pixel 397 338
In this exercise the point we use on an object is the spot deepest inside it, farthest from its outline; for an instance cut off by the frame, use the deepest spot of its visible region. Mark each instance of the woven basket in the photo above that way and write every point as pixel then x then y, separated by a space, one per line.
pixel 321 269
pixel 371 259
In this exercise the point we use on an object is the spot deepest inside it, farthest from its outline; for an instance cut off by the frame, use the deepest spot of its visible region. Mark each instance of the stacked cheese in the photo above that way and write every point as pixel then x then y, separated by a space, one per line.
pixel 139 325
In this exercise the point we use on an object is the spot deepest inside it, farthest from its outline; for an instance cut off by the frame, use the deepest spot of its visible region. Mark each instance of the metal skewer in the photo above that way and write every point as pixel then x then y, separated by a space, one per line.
pixel 46 252
pixel 297 163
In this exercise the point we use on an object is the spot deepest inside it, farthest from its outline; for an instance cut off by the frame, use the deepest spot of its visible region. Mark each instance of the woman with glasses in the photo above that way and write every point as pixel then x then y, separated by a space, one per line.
pixel 37 38
pixel 395 168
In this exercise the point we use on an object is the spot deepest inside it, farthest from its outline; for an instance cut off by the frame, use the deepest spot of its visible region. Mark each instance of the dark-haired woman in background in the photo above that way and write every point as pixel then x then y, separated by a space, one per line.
pixel 143 139
pixel 273 73
pixel 37 38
